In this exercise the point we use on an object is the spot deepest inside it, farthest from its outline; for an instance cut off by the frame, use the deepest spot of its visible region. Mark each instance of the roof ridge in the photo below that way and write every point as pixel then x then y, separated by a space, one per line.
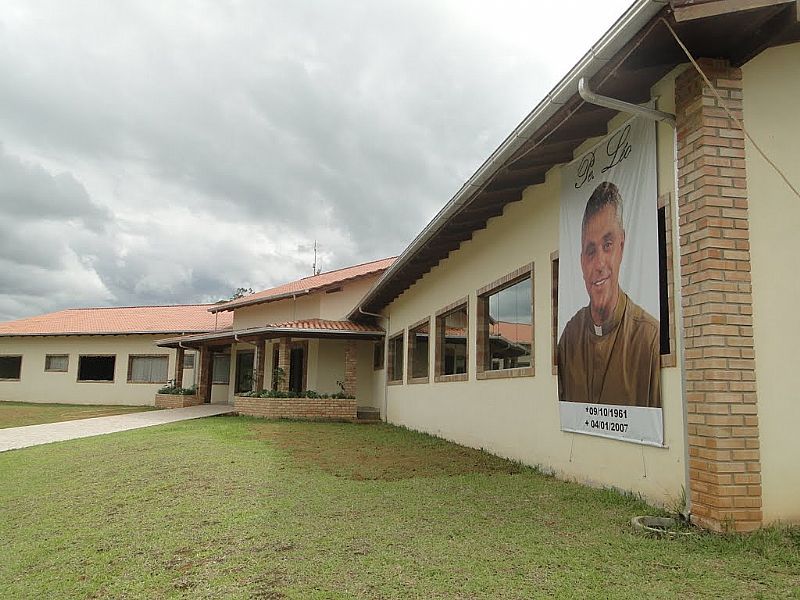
pixel 369 262
pixel 133 306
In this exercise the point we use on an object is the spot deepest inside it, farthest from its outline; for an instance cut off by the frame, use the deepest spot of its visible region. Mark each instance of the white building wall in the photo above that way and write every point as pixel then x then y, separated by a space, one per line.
pixel 771 94
pixel 519 418
pixel 36 385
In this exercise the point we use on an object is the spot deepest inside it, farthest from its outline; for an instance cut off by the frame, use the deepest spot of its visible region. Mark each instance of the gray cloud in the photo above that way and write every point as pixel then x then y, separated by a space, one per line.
pixel 171 152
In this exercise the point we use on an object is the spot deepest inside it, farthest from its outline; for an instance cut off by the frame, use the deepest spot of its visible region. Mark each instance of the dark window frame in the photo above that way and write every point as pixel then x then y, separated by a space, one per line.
pixel 379 355
pixel 393 378
pixel 666 281
pixel 554 311
pixel 51 370
pixel 483 353
pixel 114 368
pixel 19 367
pixel 412 349
pixel 227 380
pixel 440 343
pixel 131 358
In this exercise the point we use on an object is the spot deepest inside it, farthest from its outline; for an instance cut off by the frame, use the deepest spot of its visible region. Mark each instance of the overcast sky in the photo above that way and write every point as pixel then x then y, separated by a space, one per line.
pixel 162 152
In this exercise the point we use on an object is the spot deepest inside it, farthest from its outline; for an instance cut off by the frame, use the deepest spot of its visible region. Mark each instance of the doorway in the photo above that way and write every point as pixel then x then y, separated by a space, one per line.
pixel 297 371
pixel 244 371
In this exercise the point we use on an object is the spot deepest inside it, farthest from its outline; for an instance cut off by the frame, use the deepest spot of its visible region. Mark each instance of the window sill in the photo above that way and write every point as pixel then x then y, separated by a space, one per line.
pixel 95 381
pixel 415 380
pixel 507 373
pixel 9 379
pixel 395 382
pixel 454 377
pixel 668 360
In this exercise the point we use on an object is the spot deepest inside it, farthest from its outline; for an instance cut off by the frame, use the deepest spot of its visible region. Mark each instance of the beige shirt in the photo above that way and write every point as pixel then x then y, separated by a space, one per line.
pixel 616 364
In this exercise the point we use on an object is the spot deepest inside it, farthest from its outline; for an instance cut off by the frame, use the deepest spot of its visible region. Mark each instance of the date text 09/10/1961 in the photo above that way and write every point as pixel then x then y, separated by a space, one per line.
pixel 608 412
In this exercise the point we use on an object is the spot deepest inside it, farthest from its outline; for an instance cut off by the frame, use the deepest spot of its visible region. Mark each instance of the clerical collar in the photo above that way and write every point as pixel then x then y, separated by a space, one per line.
pixel 611 324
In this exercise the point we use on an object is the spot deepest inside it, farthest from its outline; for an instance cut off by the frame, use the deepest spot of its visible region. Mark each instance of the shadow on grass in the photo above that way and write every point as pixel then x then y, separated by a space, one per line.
pixel 377 452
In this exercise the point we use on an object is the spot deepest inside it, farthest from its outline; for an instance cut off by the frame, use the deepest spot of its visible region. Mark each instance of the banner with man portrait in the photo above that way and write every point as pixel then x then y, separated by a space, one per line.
pixel 608 290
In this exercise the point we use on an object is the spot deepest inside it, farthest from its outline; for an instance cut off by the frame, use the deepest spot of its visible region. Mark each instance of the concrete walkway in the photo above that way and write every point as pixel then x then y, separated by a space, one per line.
pixel 32 435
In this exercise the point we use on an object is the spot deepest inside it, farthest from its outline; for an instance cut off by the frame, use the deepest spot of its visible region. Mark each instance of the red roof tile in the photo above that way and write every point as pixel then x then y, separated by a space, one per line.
pixel 192 318
pixel 308 284
pixel 323 324
pixel 306 328
pixel 514 332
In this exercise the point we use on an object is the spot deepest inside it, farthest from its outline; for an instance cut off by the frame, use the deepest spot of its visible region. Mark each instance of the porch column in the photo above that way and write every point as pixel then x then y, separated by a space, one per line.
pixel 350 366
pixel 258 365
pixel 720 368
pixel 204 376
pixel 284 351
pixel 179 352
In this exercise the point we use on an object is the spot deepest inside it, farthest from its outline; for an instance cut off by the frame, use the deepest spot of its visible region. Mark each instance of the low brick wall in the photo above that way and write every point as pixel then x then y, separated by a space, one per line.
pixel 313 409
pixel 176 401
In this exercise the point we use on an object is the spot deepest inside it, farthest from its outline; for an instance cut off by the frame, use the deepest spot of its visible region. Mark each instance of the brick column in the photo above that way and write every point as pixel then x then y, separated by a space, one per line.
pixel 179 353
pixel 724 459
pixel 284 362
pixel 258 365
pixel 204 374
pixel 350 367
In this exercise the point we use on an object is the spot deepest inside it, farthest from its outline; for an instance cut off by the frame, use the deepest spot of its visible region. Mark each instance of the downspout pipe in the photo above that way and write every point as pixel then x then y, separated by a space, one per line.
pixel 591 97
pixel 385 368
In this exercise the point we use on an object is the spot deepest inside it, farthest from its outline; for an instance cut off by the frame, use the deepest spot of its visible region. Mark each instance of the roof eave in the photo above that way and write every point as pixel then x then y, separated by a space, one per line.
pixel 89 333
pixel 271 332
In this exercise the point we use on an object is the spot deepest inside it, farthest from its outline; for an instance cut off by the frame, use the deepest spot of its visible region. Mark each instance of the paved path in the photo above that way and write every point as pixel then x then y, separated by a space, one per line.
pixel 33 435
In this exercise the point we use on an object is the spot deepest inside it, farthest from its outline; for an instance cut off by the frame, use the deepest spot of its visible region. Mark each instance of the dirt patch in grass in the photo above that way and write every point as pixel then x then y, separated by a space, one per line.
pixel 20 414
pixel 377 452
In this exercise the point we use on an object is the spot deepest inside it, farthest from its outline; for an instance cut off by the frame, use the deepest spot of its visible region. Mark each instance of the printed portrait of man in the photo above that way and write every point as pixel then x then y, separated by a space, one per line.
pixel 608 352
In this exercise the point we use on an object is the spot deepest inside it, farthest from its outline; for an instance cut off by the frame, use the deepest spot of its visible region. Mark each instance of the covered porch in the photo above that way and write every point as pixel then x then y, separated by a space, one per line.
pixel 299 369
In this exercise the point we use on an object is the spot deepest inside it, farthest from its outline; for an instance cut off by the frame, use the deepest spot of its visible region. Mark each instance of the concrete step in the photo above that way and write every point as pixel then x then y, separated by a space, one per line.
pixel 368 415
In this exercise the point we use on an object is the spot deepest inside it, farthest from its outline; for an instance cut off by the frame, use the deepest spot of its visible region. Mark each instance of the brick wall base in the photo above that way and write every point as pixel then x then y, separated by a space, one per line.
pixel 312 409
pixel 176 401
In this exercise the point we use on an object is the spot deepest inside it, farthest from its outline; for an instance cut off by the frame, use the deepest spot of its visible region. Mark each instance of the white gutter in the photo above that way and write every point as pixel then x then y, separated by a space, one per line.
pixel 600 53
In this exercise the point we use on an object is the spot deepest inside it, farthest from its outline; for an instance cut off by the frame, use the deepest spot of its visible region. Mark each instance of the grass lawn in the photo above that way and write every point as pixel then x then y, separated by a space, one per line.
pixel 242 508
pixel 17 414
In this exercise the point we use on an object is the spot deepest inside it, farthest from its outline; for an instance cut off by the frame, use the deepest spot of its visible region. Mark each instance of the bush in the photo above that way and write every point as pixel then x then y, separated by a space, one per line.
pixel 175 390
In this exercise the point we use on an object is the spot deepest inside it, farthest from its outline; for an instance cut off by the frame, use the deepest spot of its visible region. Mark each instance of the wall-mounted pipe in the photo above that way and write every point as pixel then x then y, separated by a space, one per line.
pixel 591 97
pixel 385 366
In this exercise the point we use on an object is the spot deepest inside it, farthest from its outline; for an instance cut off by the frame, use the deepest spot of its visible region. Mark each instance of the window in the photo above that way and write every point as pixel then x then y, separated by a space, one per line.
pixel 452 337
pixel 378 355
pixel 419 351
pixel 96 368
pixel 276 357
pixel 147 368
pixel 554 310
pixel 665 278
pixel 505 326
pixel 56 363
pixel 188 361
pixel 10 367
pixel 395 374
pixel 221 369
